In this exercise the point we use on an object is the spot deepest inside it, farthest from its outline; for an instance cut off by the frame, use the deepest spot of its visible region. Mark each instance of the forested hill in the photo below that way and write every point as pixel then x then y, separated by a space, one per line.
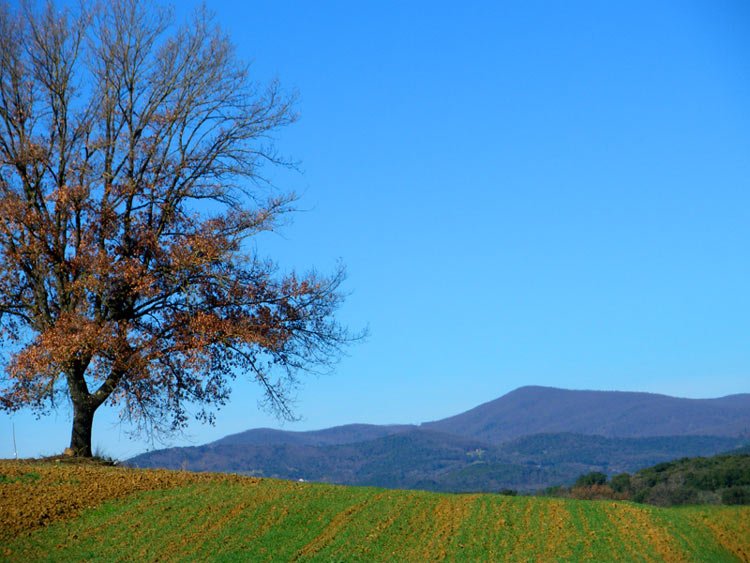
pixel 534 410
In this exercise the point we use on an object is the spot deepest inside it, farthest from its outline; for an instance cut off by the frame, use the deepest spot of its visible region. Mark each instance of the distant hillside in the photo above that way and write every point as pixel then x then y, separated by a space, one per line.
pixel 396 460
pixel 614 455
pixel 423 459
pixel 544 460
pixel 534 410
pixel 347 434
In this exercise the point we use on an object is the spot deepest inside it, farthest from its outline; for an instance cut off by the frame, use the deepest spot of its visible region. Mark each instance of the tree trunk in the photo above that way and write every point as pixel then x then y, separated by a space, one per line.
pixel 80 438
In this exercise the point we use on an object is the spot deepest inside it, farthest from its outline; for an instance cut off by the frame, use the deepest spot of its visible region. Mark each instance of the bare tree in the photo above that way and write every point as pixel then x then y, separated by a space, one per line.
pixel 130 181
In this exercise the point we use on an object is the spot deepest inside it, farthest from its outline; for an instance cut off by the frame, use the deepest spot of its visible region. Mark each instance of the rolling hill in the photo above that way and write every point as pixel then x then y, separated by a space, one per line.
pixel 62 512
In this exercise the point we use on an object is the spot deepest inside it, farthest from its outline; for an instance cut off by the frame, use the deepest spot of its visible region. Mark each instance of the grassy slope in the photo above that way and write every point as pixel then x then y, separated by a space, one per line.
pixel 249 519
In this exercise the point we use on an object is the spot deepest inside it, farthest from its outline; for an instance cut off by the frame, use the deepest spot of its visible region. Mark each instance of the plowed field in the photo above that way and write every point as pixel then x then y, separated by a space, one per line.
pixel 63 512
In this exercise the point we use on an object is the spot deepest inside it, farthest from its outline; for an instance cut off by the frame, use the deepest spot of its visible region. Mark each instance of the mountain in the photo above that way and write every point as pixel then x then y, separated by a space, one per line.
pixel 532 438
pixel 534 410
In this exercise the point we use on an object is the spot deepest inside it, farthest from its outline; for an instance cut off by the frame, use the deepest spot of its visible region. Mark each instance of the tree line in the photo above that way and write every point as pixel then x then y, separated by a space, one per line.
pixel 721 479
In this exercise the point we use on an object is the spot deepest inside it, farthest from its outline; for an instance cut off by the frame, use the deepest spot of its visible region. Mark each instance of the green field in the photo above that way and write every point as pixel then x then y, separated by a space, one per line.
pixel 196 517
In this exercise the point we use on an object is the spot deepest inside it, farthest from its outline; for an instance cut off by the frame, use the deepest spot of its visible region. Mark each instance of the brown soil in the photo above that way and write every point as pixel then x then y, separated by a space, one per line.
pixel 729 529
pixel 337 524
pixel 33 494
pixel 634 523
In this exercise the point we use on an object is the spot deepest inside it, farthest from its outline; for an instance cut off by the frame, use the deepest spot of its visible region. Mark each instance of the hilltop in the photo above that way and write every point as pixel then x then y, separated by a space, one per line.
pixel 615 414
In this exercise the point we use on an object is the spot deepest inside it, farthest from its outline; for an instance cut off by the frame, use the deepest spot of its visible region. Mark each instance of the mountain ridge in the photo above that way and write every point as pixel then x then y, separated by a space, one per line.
pixel 342 434
pixel 621 414
pixel 525 440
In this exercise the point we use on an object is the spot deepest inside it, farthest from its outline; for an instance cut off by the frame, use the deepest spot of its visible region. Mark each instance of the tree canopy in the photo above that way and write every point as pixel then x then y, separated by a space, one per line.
pixel 131 180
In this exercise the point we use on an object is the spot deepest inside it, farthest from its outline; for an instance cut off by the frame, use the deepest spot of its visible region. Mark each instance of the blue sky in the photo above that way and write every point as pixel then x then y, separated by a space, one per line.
pixel 549 193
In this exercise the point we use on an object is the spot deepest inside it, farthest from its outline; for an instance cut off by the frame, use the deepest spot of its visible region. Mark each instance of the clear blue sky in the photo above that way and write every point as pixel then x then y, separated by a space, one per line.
pixel 551 193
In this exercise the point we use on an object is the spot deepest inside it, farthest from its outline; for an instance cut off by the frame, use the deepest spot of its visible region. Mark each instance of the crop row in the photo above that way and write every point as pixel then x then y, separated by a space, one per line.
pixel 280 520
